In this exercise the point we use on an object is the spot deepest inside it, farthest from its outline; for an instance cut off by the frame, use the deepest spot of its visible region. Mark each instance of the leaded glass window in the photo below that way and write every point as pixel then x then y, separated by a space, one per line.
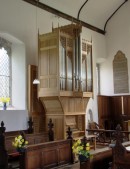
pixel 5 69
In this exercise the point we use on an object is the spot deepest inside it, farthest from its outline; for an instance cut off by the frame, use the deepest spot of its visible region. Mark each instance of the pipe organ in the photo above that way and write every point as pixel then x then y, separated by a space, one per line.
pixel 66 78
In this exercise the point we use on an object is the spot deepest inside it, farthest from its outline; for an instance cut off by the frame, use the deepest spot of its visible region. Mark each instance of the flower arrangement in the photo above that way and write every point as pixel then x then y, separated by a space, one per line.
pixel 79 148
pixel 4 99
pixel 20 143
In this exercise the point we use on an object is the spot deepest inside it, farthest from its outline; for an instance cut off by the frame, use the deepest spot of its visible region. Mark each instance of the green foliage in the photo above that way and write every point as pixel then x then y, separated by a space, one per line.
pixel 80 149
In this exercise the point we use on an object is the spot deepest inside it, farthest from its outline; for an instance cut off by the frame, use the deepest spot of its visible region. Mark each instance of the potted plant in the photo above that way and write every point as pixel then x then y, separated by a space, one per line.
pixel 4 100
pixel 20 143
pixel 81 149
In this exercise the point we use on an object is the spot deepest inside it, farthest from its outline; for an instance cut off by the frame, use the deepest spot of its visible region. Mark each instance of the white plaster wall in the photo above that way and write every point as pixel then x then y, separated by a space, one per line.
pixel 117 38
pixel 14 119
pixel 18 76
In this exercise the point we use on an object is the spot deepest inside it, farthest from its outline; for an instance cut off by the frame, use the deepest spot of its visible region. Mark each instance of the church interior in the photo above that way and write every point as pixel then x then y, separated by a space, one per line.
pixel 64 84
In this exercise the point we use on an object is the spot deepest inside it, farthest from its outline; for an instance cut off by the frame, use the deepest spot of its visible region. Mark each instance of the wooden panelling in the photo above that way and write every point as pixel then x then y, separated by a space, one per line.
pixel 31 138
pixel 126 101
pixel 39 123
pixel 53 61
pixel 113 110
pixel 58 121
pixel 44 59
pixel 33 161
pixel 74 104
pixel 116 107
pixel 48 65
pixel 48 155
pixel 34 105
pixel 53 82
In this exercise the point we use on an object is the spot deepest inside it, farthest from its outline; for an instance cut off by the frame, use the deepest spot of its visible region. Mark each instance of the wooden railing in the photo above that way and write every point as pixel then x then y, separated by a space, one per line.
pixel 107 136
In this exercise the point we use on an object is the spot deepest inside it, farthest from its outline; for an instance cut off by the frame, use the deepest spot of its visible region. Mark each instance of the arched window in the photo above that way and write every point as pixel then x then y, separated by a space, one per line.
pixel 5 68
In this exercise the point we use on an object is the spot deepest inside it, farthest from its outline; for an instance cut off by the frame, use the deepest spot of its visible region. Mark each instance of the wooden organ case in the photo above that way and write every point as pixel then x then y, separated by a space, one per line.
pixel 66 82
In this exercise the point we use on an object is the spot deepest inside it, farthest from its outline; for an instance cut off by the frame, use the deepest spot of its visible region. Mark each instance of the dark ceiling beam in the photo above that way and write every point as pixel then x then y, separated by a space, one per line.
pixel 63 15
pixel 113 14
pixel 81 8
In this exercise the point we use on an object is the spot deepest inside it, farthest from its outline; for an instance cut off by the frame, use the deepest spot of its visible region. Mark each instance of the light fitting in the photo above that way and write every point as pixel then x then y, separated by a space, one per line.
pixel 36 81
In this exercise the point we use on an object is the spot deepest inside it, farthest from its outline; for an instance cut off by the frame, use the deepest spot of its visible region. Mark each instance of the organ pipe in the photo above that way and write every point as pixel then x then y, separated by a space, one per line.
pixel 73 65
pixel 76 69
pixel 79 62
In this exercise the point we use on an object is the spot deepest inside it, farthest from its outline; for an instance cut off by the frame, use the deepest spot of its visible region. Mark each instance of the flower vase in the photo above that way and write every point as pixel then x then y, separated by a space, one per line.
pixel 4 106
pixel 21 150
pixel 82 158
pixel 84 162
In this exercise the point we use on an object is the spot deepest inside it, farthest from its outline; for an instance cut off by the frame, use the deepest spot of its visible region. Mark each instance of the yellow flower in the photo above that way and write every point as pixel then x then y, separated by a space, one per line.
pixel 19 137
pixel 87 144
pixel 4 99
pixel 26 142
pixel 19 142
pixel 87 148
pixel 80 148
pixel 78 141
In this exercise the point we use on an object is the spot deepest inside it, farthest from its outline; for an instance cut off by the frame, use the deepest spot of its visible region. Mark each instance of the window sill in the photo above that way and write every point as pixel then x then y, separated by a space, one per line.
pixel 10 108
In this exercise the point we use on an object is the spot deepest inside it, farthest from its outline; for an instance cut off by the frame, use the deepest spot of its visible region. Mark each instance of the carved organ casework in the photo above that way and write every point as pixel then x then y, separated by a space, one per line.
pixel 66 82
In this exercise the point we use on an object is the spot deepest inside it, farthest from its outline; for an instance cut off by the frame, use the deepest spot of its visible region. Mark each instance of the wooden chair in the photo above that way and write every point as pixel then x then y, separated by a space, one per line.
pixel 94 125
pixel 97 130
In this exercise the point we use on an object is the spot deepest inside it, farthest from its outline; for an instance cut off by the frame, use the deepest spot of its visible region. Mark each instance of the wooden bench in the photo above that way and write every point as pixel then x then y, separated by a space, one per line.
pixel 48 155
pixel 8 151
pixel 120 152
pixel 31 138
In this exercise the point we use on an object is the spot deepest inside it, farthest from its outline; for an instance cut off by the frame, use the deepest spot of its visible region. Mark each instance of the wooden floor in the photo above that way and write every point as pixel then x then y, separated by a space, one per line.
pixel 73 166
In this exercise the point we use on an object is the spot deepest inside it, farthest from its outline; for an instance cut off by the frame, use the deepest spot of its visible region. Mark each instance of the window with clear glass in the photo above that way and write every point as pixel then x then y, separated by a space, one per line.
pixel 4 73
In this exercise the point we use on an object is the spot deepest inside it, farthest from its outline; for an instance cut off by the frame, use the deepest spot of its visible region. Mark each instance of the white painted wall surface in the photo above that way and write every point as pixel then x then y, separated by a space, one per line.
pixel 117 38
pixel 19 77
pixel 14 119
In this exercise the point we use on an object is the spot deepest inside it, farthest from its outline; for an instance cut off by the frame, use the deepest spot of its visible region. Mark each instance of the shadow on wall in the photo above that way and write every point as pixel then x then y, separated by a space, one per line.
pixel 90 115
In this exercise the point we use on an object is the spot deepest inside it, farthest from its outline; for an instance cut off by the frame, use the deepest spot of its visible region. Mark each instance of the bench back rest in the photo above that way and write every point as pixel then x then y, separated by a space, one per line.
pixel 121 157
pixel 31 138
pixel 47 155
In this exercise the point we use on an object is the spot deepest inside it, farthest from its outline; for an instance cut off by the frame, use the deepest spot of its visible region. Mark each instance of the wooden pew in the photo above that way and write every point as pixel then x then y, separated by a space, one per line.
pixel 33 138
pixel 58 153
pixel 120 154
pixel 8 151
pixel 3 152
pixel 48 155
